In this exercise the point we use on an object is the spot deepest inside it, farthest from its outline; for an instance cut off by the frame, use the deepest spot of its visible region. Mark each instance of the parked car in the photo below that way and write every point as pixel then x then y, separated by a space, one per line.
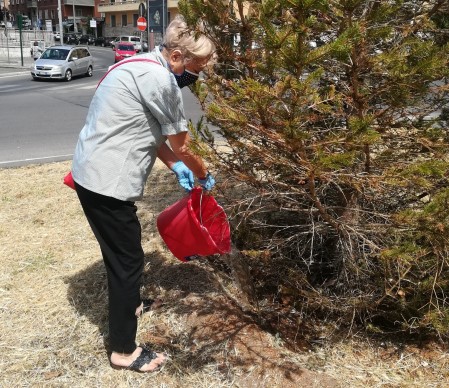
pixel 71 38
pixel 26 23
pixel 63 62
pixel 135 40
pixel 103 41
pixel 86 39
pixel 124 50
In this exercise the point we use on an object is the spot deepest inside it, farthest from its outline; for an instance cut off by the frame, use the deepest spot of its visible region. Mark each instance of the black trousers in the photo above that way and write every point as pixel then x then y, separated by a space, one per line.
pixel 118 231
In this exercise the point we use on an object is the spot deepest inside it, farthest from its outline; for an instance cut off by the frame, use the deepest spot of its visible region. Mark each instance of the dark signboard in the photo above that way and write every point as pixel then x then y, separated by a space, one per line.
pixel 157 15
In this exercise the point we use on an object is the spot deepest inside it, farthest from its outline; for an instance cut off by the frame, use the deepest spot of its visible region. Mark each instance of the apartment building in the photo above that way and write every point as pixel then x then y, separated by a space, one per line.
pixel 120 17
pixel 113 17
pixel 39 11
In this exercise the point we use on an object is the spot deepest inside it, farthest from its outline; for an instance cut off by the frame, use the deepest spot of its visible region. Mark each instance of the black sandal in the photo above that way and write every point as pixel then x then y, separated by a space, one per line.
pixel 145 357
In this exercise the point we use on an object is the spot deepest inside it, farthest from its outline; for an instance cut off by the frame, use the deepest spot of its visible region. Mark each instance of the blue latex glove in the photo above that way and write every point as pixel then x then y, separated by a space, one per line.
pixel 184 175
pixel 208 182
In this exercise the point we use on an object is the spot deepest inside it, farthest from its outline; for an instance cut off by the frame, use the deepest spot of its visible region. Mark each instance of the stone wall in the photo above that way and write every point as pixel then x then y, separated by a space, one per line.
pixel 10 45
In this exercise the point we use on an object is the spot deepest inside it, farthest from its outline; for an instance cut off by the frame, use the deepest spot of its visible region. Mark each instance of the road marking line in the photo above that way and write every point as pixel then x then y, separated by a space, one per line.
pixel 33 159
pixel 88 87
pixel 9 75
pixel 71 86
pixel 15 90
pixel 8 86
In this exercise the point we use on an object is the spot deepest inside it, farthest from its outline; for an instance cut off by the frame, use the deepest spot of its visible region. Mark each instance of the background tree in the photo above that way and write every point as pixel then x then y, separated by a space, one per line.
pixel 334 145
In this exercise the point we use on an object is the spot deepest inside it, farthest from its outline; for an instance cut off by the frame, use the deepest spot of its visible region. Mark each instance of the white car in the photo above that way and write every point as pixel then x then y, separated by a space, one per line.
pixel 135 40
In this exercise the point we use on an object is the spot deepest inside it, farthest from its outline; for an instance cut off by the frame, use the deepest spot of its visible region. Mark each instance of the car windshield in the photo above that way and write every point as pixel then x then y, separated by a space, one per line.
pixel 56 54
pixel 126 47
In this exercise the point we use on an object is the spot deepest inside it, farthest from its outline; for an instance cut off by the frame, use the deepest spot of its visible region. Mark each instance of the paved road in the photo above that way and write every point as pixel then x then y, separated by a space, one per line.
pixel 40 121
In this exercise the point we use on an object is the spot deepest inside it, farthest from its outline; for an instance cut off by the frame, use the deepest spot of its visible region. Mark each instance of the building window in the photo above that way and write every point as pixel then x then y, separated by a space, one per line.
pixel 113 23
pixel 124 20
pixel 135 16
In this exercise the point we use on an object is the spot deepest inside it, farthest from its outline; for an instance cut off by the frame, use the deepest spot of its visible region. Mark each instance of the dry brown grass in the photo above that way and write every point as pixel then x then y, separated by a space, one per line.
pixel 53 309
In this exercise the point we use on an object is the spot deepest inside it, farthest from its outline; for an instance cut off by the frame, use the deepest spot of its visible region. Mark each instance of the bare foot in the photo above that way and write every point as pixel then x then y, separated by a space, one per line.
pixel 139 310
pixel 123 361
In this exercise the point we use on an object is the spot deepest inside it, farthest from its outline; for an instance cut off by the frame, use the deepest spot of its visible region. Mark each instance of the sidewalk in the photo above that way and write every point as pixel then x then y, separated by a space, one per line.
pixel 15 64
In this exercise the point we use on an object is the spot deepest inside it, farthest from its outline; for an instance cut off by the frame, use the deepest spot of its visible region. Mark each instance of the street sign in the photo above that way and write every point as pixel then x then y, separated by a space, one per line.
pixel 142 23
pixel 141 9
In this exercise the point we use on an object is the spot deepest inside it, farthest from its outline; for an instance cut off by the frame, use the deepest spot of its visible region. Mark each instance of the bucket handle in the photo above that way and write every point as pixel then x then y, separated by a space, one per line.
pixel 201 208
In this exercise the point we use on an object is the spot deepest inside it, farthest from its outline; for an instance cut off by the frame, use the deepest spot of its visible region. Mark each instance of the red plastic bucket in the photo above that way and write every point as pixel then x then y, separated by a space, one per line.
pixel 68 180
pixel 195 226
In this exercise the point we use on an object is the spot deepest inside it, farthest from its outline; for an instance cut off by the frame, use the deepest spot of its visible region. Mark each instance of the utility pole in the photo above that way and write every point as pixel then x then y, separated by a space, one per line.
pixel 164 18
pixel 20 20
pixel 61 32
pixel 6 27
pixel 148 27
pixel 4 13
pixel 37 15
pixel 75 28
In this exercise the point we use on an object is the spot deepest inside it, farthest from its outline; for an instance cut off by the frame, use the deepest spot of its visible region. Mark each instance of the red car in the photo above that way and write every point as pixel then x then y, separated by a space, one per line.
pixel 124 50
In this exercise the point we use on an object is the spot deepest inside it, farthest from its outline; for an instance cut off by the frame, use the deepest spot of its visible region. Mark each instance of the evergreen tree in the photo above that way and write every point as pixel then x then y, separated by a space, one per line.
pixel 334 120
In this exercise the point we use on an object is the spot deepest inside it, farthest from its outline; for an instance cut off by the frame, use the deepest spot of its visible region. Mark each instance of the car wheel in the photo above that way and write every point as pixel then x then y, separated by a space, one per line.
pixel 90 71
pixel 68 75
pixel 35 78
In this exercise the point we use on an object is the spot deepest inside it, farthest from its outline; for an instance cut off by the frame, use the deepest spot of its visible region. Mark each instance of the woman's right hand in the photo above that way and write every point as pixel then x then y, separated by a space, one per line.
pixel 184 175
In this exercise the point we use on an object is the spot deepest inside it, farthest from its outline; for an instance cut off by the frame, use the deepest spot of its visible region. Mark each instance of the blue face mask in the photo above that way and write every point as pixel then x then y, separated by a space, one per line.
pixel 186 78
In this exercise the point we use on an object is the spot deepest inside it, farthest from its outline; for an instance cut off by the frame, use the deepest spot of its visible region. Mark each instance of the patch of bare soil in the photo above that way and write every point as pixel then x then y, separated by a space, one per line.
pixel 53 309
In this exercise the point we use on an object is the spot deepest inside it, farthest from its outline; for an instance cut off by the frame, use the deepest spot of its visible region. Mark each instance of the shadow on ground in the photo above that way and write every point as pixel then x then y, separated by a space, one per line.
pixel 196 324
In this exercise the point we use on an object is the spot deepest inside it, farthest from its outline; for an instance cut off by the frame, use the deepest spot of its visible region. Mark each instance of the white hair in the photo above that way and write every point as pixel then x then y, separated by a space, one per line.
pixel 192 45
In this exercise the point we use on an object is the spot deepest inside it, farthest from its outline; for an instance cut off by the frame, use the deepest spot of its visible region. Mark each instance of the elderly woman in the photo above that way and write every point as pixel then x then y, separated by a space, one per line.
pixel 136 108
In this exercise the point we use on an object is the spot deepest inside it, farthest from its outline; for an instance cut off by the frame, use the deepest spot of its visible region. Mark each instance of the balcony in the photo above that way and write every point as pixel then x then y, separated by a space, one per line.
pixel 119 6
pixel 81 3
pixel 130 5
